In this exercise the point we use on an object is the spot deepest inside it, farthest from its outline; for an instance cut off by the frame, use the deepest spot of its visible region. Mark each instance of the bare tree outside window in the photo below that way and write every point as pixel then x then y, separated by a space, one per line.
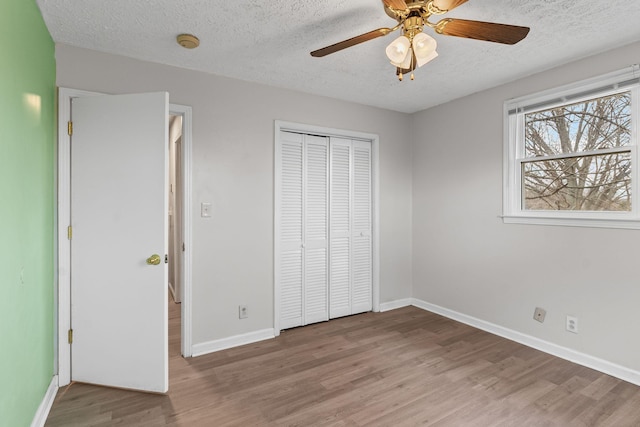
pixel 578 156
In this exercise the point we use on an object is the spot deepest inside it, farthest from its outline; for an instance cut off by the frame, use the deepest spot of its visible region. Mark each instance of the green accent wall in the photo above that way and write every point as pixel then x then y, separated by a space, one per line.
pixel 27 206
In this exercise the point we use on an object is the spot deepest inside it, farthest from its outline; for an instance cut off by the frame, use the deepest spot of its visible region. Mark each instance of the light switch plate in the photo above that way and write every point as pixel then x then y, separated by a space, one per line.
pixel 205 210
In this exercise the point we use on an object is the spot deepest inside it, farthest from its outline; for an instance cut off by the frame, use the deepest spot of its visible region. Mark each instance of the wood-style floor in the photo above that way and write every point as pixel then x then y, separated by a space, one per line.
pixel 404 367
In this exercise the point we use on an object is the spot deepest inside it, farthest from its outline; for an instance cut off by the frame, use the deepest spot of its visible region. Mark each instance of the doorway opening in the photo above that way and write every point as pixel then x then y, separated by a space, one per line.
pixel 175 231
pixel 183 226
pixel 175 207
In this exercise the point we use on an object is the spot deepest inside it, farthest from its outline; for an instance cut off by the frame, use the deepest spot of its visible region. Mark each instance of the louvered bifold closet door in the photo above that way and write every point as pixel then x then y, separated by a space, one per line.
pixel 361 260
pixel 289 266
pixel 316 223
pixel 323 228
pixel 302 228
pixel 340 227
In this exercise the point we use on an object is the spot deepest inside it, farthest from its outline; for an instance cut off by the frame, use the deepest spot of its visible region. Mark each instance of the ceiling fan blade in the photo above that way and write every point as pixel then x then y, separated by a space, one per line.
pixel 447 5
pixel 478 30
pixel 396 4
pixel 351 42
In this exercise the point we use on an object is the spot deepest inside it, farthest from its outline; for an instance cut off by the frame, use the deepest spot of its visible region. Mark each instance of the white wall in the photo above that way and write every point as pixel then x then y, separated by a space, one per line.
pixel 233 148
pixel 467 260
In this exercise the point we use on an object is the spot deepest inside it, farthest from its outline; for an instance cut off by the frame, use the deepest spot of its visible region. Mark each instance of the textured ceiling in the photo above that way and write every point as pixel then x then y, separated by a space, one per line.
pixel 269 42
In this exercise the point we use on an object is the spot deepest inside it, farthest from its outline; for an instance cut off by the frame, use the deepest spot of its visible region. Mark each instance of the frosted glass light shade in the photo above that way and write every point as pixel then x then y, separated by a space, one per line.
pixel 398 51
pixel 424 47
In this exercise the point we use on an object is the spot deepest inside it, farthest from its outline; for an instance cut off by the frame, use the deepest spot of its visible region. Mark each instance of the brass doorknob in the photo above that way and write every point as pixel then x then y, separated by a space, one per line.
pixel 153 259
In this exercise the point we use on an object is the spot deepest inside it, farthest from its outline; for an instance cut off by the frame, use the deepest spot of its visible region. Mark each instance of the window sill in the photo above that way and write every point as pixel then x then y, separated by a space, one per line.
pixel 632 224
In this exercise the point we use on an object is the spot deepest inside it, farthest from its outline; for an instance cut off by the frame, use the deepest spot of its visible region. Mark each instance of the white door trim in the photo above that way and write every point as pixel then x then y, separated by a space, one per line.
pixel 375 208
pixel 64 219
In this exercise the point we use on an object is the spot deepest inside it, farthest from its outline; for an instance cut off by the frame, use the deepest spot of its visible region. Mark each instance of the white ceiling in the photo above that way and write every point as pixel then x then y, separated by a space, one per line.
pixel 269 42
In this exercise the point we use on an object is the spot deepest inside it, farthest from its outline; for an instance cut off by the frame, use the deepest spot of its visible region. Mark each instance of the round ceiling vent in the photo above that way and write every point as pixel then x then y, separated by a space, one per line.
pixel 188 41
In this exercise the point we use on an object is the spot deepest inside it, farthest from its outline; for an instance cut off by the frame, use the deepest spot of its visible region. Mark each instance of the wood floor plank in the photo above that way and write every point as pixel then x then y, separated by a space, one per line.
pixel 405 367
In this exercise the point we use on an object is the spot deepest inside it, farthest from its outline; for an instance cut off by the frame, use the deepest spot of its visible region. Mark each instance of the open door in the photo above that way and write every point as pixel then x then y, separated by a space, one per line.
pixel 119 240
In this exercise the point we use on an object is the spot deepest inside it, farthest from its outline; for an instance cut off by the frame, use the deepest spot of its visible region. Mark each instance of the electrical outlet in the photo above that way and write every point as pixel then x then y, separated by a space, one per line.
pixel 539 314
pixel 243 312
pixel 572 324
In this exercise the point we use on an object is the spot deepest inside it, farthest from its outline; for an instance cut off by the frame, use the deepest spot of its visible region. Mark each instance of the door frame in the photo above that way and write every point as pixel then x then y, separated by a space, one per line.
pixel 63 349
pixel 375 205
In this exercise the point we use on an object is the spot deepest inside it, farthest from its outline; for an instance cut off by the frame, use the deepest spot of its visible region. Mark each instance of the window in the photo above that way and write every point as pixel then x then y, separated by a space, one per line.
pixel 571 154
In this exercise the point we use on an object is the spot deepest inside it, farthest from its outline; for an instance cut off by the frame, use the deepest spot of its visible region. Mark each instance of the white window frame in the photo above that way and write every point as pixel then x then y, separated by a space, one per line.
pixel 624 80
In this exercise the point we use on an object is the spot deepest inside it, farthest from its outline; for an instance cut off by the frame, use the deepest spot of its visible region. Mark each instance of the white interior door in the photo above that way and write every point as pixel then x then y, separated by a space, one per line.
pixel 119 210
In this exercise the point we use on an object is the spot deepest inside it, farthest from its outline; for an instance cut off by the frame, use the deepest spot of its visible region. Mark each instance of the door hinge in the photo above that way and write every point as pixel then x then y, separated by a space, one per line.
pixel 69 232
pixel 182 246
pixel 166 259
pixel 70 127
pixel 70 336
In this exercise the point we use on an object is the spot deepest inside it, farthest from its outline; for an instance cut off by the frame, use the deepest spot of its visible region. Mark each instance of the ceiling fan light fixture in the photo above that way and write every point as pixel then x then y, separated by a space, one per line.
pixel 420 61
pixel 406 62
pixel 424 47
pixel 398 51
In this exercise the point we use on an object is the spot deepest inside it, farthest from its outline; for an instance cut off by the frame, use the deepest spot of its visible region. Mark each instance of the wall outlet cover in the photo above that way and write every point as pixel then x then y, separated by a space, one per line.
pixel 572 324
pixel 539 314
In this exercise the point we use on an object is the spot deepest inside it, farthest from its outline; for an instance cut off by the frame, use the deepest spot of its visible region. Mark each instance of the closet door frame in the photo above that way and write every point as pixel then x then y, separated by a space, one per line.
pixel 329 132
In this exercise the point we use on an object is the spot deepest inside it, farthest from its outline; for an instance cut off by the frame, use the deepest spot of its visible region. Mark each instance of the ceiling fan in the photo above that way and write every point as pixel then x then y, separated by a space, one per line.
pixel 414 48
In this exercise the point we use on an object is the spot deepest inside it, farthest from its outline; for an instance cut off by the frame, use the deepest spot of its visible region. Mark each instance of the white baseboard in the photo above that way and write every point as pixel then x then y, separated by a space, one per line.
pixel 392 305
pixel 47 402
pixel 583 359
pixel 234 341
